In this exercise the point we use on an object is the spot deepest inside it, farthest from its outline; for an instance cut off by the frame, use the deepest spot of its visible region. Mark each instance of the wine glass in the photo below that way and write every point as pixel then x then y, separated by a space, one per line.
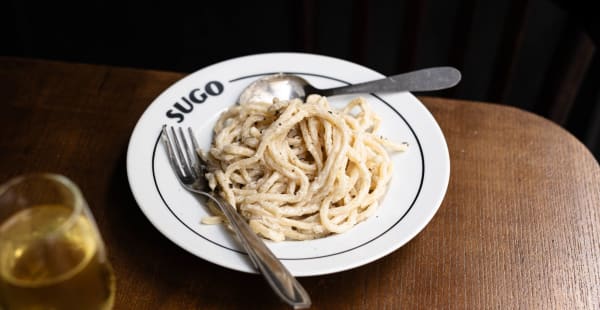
pixel 51 253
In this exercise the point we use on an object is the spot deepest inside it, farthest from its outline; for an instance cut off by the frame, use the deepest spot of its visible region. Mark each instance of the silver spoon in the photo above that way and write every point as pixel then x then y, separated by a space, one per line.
pixel 289 86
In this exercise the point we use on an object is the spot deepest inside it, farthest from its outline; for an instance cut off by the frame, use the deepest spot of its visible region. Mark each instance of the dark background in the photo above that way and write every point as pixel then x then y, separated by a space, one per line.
pixel 538 55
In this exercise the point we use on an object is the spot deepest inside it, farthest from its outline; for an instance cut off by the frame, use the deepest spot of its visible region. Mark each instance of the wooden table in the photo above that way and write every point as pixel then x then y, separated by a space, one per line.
pixel 519 227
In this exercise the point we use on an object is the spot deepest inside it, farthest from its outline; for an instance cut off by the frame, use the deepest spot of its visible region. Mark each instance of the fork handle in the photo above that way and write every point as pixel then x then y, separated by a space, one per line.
pixel 279 278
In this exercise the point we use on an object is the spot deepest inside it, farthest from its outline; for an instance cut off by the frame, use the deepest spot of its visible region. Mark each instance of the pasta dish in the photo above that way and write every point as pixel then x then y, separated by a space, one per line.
pixel 300 170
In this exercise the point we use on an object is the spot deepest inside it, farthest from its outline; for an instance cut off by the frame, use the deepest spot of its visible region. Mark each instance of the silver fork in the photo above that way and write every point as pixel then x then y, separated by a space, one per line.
pixel 190 170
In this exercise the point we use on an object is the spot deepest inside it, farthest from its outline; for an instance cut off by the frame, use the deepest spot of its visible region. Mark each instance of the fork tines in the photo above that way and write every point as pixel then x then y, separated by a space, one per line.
pixel 182 154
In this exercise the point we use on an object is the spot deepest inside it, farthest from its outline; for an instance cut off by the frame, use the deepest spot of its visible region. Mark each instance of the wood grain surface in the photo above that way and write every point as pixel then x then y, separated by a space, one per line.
pixel 519 227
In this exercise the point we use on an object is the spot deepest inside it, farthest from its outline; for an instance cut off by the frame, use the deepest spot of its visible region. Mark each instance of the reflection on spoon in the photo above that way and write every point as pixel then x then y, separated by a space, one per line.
pixel 289 86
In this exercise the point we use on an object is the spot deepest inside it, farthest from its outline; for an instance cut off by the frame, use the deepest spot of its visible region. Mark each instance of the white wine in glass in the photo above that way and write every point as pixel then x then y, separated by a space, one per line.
pixel 51 253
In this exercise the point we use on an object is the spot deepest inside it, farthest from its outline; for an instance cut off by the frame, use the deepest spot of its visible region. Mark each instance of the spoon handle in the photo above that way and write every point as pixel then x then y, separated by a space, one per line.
pixel 429 79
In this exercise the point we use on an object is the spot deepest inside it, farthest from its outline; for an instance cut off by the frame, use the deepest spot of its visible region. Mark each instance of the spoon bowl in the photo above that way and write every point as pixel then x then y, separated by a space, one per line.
pixel 289 86
pixel 282 86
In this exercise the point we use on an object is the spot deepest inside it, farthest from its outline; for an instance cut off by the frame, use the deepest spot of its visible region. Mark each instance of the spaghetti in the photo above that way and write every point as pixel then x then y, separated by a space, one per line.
pixel 298 170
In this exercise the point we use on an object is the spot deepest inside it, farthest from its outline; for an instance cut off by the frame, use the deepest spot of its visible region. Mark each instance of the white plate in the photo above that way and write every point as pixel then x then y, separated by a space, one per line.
pixel 415 193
